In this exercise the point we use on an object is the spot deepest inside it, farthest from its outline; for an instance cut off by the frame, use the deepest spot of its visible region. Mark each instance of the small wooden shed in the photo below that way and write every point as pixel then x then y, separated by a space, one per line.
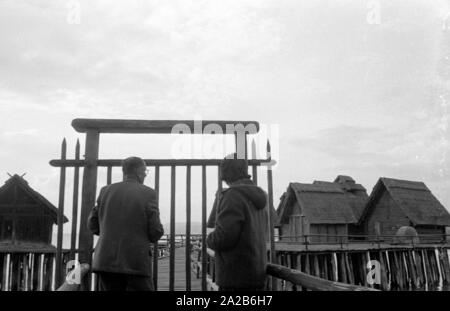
pixel 320 211
pixel 25 215
pixel 394 203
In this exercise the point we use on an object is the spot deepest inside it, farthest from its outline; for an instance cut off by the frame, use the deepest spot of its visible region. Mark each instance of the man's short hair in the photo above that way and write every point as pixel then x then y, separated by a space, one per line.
pixel 131 164
pixel 233 168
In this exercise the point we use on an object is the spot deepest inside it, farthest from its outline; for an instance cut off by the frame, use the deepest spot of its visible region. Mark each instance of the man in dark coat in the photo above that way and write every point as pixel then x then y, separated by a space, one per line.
pixel 241 228
pixel 126 218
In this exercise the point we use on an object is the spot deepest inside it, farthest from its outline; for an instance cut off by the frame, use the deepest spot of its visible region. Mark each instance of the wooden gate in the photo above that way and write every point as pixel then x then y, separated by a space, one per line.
pixel 91 164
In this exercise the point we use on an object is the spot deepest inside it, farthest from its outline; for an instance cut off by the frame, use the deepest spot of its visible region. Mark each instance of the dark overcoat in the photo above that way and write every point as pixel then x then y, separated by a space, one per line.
pixel 126 218
pixel 240 236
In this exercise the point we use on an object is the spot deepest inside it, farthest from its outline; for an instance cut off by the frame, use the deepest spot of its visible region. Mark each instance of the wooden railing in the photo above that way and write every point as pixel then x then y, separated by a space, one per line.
pixel 318 239
pixel 301 280
pixel 310 282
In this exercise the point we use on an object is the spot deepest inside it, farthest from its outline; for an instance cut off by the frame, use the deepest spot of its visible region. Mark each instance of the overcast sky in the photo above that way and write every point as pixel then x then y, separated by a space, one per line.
pixel 354 87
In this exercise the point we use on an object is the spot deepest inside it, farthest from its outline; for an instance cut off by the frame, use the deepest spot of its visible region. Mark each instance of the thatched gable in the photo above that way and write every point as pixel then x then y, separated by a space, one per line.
pixel 413 198
pixel 321 203
pixel 22 184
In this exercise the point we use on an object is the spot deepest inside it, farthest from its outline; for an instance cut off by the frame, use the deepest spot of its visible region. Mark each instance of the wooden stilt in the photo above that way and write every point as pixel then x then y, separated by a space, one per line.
pixel 419 271
pixel 383 276
pixel 428 269
pixel 334 266
pixel 349 269
pixel 325 266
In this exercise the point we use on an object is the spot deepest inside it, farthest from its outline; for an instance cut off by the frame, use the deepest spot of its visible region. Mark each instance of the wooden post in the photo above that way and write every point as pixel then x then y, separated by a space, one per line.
pixel 188 228
pixel 6 275
pixel 438 267
pixel 76 184
pixel 271 220
pixel 342 269
pixel 350 276
pixel 155 245
pixel 172 230
pixel 383 273
pixel 445 264
pixel 204 253
pixel 88 200
pixel 411 269
pixel 31 278
pixel 399 269
pixel 419 269
pixel 334 267
pixel 41 272
pixel 254 167
pixel 109 175
pixel 325 267
pixel 430 269
pixel 62 186
pixel 425 269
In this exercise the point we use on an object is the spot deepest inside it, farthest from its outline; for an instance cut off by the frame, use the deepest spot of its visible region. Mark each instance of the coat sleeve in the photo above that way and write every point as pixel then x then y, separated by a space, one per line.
pixel 155 229
pixel 229 221
pixel 93 223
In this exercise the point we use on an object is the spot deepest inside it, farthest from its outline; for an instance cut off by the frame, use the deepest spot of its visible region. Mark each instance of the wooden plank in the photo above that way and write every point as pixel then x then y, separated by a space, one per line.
pixel 88 200
pixel 154 162
pixel 180 275
pixel 162 126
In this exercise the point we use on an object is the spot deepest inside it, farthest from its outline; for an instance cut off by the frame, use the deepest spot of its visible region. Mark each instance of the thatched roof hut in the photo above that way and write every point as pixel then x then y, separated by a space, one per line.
pixel 394 203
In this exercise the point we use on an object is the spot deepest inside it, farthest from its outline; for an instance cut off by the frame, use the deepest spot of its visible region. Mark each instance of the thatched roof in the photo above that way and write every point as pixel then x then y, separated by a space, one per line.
pixel 321 203
pixel 16 180
pixel 356 194
pixel 413 198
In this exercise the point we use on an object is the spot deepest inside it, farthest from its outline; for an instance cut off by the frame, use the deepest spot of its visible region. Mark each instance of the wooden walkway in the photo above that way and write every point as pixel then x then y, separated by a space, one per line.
pixel 180 273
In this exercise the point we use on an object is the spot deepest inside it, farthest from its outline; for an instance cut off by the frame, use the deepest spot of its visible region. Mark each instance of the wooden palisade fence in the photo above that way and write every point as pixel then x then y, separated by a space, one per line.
pixel 91 164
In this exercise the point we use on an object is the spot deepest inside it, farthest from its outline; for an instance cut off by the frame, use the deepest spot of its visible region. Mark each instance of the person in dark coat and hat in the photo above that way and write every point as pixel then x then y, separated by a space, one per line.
pixel 240 222
pixel 126 218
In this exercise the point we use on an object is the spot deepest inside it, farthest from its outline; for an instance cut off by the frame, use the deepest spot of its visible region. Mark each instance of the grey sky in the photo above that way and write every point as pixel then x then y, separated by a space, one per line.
pixel 350 95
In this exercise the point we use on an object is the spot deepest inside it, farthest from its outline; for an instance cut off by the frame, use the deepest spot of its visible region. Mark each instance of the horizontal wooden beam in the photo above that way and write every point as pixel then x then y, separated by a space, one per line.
pixel 311 282
pixel 163 126
pixel 155 162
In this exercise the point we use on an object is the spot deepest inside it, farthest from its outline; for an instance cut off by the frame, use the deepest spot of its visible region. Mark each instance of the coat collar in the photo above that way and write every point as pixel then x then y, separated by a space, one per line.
pixel 130 179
